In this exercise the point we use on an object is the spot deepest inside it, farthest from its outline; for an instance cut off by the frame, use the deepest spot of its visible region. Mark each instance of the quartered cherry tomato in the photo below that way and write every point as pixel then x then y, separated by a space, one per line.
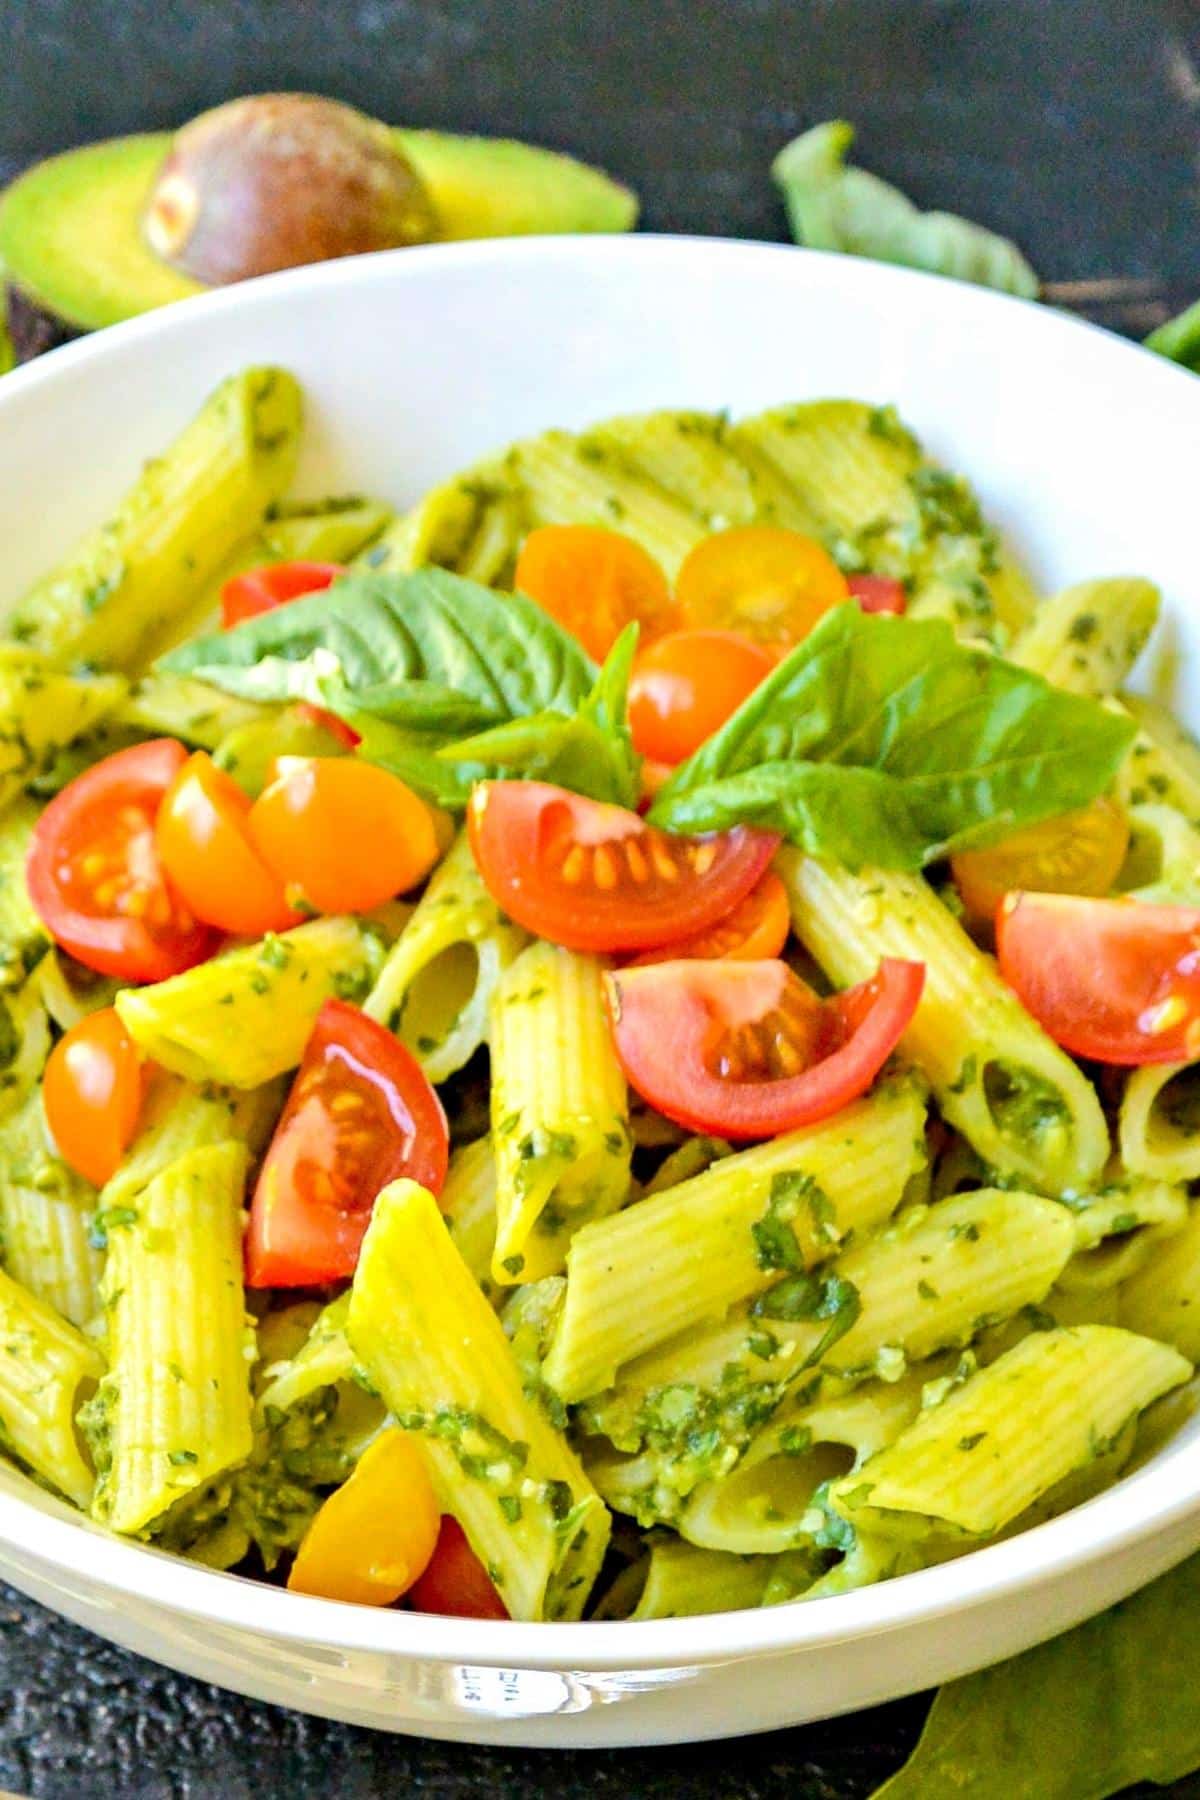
pixel 595 877
pixel 374 1536
pixel 746 1050
pixel 360 1114
pixel 685 685
pixel 756 929
pixel 456 1582
pixel 95 876
pixel 92 1092
pixel 1114 980
pixel 878 593
pixel 261 590
pixel 206 851
pixel 594 582
pixel 1078 853
pixel 341 835
pixel 769 583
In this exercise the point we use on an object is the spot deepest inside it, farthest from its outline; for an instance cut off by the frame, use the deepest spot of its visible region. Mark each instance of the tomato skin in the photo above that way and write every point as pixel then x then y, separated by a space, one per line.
pixel 755 931
pixel 337 728
pixel 374 1535
pixel 878 593
pixel 326 1163
pixel 456 1582
pixel 343 835
pixel 119 917
pixel 681 1036
pixel 685 685
pixel 591 876
pixel 593 582
pixel 765 581
pixel 92 1092
pixel 1080 852
pixel 1117 981
pixel 204 847
pixel 261 590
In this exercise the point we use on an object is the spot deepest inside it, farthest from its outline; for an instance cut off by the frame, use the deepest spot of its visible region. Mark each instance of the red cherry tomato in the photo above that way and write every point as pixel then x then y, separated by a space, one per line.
pixel 757 928
pixel 685 685
pixel 455 1581
pixel 261 590
pixel 596 877
pixel 95 877
pixel 206 851
pixel 360 1114
pixel 746 1050
pixel 1114 980
pixel 878 593
pixel 337 728
pixel 92 1092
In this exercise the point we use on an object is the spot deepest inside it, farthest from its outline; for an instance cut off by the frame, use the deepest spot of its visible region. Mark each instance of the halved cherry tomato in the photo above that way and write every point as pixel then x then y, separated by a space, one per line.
pixel 756 929
pixel 1078 853
pixel 92 1092
pixel 337 728
pixel 594 582
pixel 746 1050
pixel 206 851
pixel 95 877
pixel 595 877
pixel 360 1114
pixel 1114 980
pixel 685 685
pixel 878 593
pixel 456 1582
pixel 374 1536
pixel 341 835
pixel 261 590
pixel 772 584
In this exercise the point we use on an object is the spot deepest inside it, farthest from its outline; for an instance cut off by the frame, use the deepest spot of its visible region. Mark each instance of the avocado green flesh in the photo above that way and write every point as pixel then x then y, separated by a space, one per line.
pixel 70 228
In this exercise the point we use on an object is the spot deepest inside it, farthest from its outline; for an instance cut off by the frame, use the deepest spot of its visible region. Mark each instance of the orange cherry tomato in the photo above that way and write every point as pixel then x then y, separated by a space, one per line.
pixel 685 685
pixel 1078 853
pixel 341 835
pixel 202 842
pixel 374 1536
pixel 92 1092
pixel 772 584
pixel 594 582
pixel 456 1582
pixel 261 590
pixel 755 930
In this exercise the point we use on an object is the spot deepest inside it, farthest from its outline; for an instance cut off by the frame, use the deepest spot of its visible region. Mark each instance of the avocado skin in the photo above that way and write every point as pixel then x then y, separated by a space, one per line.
pixel 74 258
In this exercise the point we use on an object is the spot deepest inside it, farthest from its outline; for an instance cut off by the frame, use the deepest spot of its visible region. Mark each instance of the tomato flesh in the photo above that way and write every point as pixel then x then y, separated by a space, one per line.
pixel 762 580
pixel 593 582
pixel 92 1093
pixel 261 590
pixel 746 1050
pixel 595 877
pixel 1117 981
pixel 456 1582
pixel 685 685
pixel 203 843
pixel 361 1113
pixel 755 930
pixel 375 1534
pixel 878 593
pixel 95 876
pixel 1080 852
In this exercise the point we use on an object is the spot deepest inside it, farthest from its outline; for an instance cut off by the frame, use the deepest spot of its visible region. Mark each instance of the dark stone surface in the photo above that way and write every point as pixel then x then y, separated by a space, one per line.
pixel 1072 125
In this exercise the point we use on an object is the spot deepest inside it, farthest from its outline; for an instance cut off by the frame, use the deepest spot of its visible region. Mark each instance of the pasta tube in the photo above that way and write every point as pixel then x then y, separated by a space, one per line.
pixel 1088 637
pixel 45 1368
pixel 46 1213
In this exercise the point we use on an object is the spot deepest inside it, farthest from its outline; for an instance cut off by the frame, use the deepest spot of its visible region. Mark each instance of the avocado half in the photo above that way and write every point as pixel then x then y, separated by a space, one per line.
pixel 73 254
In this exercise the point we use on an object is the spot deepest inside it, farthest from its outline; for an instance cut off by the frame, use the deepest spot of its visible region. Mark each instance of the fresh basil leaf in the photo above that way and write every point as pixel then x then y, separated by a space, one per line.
pixel 884 740
pixel 1179 338
pixel 832 207
pixel 425 651
pixel 1085 1716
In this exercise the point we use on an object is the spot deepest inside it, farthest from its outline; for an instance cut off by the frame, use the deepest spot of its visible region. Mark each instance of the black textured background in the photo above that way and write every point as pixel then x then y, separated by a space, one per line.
pixel 1072 125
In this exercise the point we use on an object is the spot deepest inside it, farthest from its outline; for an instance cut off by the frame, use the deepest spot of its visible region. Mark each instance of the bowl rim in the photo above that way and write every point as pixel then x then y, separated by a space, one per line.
pixel 1144 1505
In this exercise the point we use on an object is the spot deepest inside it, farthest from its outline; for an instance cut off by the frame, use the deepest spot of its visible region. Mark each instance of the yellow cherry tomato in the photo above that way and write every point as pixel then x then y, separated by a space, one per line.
pixel 375 1535
pixel 1078 853
pixel 770 584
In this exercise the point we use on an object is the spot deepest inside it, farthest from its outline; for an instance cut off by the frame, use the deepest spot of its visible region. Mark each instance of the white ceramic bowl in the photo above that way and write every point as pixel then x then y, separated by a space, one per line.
pixel 1085 450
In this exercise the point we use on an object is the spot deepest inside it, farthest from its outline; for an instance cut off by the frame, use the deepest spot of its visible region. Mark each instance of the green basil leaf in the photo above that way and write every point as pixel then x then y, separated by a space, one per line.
pixel 1179 338
pixel 1086 1715
pixel 885 740
pixel 832 207
pixel 425 651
